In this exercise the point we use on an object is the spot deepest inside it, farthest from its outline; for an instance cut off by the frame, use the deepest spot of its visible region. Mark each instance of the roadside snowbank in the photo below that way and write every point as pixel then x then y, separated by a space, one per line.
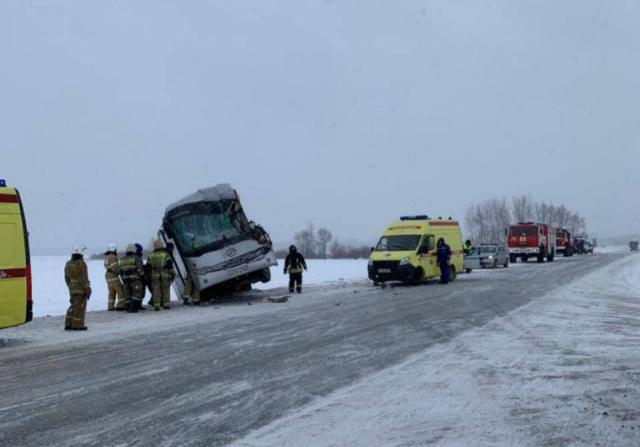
pixel 562 370
pixel 51 296
pixel 611 249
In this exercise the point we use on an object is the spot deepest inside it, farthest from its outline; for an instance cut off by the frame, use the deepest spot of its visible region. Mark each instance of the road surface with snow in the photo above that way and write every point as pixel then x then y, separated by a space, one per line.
pixel 496 358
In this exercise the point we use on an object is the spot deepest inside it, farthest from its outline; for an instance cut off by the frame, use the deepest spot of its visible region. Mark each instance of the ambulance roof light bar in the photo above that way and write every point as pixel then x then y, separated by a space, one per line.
pixel 421 217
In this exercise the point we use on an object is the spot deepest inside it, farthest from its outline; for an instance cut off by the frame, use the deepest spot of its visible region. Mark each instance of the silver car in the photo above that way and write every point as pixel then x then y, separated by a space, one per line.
pixel 486 256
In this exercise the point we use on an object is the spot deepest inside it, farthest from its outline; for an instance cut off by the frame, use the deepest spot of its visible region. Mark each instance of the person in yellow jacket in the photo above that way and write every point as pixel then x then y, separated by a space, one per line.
pixel 162 274
pixel 132 273
pixel 112 276
pixel 77 278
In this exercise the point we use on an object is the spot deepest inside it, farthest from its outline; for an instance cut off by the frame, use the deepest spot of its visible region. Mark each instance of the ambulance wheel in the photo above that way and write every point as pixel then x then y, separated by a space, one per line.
pixel 418 276
pixel 468 270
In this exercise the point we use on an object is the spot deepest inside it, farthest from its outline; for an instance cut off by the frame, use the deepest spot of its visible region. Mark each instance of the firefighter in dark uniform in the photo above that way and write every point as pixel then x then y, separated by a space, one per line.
pixel 77 279
pixel 443 256
pixel 132 273
pixel 294 264
pixel 162 274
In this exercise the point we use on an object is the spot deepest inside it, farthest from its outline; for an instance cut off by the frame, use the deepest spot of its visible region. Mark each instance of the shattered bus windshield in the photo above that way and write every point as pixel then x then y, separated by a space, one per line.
pixel 207 226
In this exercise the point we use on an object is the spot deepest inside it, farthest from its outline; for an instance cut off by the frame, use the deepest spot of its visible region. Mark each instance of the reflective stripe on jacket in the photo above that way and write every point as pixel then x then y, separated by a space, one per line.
pixel 131 267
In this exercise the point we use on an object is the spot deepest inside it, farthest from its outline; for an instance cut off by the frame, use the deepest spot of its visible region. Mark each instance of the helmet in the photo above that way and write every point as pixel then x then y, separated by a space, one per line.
pixel 111 247
pixel 78 250
pixel 157 244
pixel 131 248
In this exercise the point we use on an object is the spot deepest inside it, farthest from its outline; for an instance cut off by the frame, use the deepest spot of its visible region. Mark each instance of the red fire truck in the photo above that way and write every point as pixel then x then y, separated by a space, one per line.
pixel 564 242
pixel 531 240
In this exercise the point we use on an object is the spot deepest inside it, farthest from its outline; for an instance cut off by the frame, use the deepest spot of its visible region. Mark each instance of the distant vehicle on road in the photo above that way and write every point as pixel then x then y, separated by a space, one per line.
pixel 16 306
pixel 407 250
pixel 213 242
pixel 486 256
pixel 633 245
pixel 531 240
pixel 583 246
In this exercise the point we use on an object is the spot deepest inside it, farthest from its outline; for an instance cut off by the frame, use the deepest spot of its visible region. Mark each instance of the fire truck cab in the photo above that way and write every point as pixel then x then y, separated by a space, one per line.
pixel 531 240
pixel 564 242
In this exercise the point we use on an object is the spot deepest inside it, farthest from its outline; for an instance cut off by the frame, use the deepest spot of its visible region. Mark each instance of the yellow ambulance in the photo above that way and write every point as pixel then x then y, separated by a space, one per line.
pixel 15 268
pixel 407 250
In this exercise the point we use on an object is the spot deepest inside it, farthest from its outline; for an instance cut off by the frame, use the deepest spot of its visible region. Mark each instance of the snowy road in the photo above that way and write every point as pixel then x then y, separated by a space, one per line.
pixel 213 376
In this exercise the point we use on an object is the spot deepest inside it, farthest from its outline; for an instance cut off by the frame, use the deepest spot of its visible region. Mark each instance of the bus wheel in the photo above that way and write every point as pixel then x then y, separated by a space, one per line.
pixel 265 275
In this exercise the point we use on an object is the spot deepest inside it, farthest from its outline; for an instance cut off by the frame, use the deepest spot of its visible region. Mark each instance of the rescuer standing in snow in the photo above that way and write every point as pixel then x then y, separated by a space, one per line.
pixel 112 275
pixel 443 255
pixel 162 274
pixel 467 247
pixel 191 293
pixel 294 264
pixel 77 279
pixel 132 272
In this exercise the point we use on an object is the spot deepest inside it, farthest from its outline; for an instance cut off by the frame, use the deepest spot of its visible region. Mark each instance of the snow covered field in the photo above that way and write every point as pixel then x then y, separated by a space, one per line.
pixel 51 296
pixel 563 370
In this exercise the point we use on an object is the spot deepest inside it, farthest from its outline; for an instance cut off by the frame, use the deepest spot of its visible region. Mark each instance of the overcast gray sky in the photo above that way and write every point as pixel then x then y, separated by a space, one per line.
pixel 346 114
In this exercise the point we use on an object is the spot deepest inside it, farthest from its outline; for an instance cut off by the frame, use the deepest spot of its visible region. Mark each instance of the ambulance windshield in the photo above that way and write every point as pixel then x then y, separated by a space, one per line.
pixel 202 227
pixel 405 242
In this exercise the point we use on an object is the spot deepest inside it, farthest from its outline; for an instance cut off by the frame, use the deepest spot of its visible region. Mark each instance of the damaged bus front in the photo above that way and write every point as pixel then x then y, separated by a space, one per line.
pixel 211 239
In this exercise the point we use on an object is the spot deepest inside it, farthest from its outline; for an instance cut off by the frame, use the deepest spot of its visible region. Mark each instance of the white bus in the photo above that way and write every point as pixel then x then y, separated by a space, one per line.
pixel 211 239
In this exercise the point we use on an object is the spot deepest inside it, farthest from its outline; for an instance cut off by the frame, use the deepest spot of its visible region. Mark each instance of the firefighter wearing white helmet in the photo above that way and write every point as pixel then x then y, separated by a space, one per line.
pixel 132 272
pixel 112 276
pixel 77 279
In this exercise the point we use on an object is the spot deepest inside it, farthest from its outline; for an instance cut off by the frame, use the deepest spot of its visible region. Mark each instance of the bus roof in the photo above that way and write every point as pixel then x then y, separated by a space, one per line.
pixel 223 191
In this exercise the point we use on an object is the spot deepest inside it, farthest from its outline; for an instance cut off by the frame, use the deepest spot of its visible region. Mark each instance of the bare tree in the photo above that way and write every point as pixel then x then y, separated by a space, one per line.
pixel 306 241
pixel 522 208
pixel 324 236
pixel 487 221
pixel 339 250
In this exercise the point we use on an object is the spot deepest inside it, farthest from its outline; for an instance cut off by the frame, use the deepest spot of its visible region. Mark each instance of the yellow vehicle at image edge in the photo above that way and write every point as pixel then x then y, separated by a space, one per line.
pixel 15 268
pixel 407 250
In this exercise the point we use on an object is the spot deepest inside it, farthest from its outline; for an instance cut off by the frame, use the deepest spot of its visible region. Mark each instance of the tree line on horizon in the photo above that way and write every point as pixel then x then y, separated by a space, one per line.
pixel 320 244
pixel 486 221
